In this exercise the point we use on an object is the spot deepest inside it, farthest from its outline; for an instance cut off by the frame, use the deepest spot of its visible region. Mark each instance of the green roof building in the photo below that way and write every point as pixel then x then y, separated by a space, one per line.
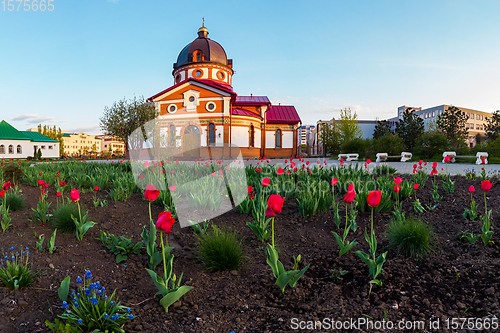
pixel 21 144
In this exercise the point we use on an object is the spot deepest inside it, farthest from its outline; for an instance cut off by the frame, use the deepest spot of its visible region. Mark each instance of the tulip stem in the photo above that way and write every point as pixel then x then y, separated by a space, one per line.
pixel 150 211
pixel 273 231
pixel 164 262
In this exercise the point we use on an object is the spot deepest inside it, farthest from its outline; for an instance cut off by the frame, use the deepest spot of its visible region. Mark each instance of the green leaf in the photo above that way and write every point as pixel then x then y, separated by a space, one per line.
pixel 63 290
pixel 293 282
pixel 160 284
pixel 377 282
pixel 173 296
pixel 284 278
pixel 348 247
pixel 120 258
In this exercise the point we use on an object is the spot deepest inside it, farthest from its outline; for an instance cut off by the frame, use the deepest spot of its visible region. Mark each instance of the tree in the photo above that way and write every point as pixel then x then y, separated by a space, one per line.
pixel 124 117
pixel 452 124
pixel 348 126
pixel 430 144
pixel 381 129
pixel 410 128
pixel 390 144
pixel 329 137
pixel 493 126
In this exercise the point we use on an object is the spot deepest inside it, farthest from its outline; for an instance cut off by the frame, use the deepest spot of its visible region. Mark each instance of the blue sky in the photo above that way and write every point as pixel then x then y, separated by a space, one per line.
pixel 63 67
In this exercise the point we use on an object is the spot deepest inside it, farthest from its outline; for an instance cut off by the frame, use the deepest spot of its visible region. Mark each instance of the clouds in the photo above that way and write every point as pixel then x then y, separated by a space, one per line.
pixel 33 118
pixel 93 130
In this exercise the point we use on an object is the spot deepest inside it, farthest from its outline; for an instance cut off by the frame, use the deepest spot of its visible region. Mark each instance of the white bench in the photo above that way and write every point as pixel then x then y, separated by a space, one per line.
pixel 349 157
pixel 382 157
pixel 479 155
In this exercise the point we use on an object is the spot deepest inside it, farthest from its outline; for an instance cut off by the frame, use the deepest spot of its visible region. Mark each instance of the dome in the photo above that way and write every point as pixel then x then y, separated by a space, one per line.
pixel 202 49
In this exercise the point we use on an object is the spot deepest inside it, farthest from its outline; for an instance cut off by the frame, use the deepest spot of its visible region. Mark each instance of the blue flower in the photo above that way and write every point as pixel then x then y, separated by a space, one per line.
pixel 13 258
pixel 115 316
pixel 20 246
pixel 92 286
pixel 106 315
pixel 87 292
pixel 88 275
pixel 78 295
pixel 112 303
pixel 103 289
pixel 26 248
pixel 79 321
pixel 6 258
pixel 98 285
pixel 65 305
pixel 12 248
pixel 99 293
pixel 79 280
pixel 130 316
pixel 76 304
pixel 94 301
pixel 128 310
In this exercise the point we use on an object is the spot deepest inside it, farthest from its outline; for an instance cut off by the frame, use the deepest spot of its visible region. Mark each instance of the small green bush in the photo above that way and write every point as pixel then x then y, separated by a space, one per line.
pixel 62 217
pixel 411 237
pixel 220 249
pixel 390 144
pixel 14 202
pixel 12 172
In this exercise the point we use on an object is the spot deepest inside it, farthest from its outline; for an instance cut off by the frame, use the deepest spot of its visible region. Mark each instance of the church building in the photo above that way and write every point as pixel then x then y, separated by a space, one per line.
pixel 201 115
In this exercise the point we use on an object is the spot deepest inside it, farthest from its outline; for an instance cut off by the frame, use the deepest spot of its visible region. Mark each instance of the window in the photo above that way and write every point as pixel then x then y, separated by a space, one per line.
pixel 472 116
pixel 43 147
pixel 472 126
pixel 19 149
pixel 198 73
pixel 220 75
pixel 2 149
pixel 191 99
pixel 172 108
pixel 251 136
pixel 210 106
pixel 51 147
pixel 211 134
pixel 177 78
pixel 172 135
pixel 278 138
pixel 11 149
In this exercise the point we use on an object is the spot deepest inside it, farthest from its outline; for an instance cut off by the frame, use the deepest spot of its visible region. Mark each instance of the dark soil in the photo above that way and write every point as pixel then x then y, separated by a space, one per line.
pixel 247 300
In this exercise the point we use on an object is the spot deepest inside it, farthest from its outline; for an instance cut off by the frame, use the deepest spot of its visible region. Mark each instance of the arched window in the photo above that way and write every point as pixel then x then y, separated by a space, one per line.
pixel 197 56
pixel 278 138
pixel 251 137
pixel 2 149
pixel 211 134
pixel 172 135
pixel 19 149
pixel 11 149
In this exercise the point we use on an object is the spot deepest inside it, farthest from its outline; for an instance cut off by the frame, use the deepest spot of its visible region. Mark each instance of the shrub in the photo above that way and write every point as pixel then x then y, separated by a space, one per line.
pixel 359 146
pixel 62 217
pixel 390 144
pixel 411 237
pixel 220 249
pixel 430 144
pixel 12 172
pixel 14 202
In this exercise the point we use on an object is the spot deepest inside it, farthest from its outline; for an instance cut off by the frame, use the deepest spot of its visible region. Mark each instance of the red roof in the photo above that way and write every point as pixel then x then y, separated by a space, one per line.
pixel 282 114
pixel 243 112
pixel 252 100
pixel 221 86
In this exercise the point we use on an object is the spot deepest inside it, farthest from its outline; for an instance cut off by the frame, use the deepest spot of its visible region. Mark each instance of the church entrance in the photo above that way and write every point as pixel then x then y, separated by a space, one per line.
pixel 191 141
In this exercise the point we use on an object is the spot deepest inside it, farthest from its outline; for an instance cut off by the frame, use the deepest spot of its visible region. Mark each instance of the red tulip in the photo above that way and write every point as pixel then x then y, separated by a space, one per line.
pixel 483 160
pixel 368 161
pixel 446 159
pixel 274 205
pixel 486 185
pixel 165 222
pixel 40 182
pixel 96 188
pixel 414 166
pixel 334 181
pixel 75 195
pixel 415 186
pixel 151 193
pixel 45 185
pixel 265 182
pixel 307 162
pixel 2 194
pixel 62 183
pixel 172 188
pixel 248 158
pixel 40 174
pixel 6 185
pixel 434 164
pixel 350 188
pixel 374 198
pixel 58 194
pixel 349 197
pixel 398 180
pixel 280 171
pixel 472 189
pixel 397 188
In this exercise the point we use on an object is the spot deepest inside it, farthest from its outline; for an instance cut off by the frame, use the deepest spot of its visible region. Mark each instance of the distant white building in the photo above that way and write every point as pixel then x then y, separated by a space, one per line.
pixel 304 133
pixel 21 144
